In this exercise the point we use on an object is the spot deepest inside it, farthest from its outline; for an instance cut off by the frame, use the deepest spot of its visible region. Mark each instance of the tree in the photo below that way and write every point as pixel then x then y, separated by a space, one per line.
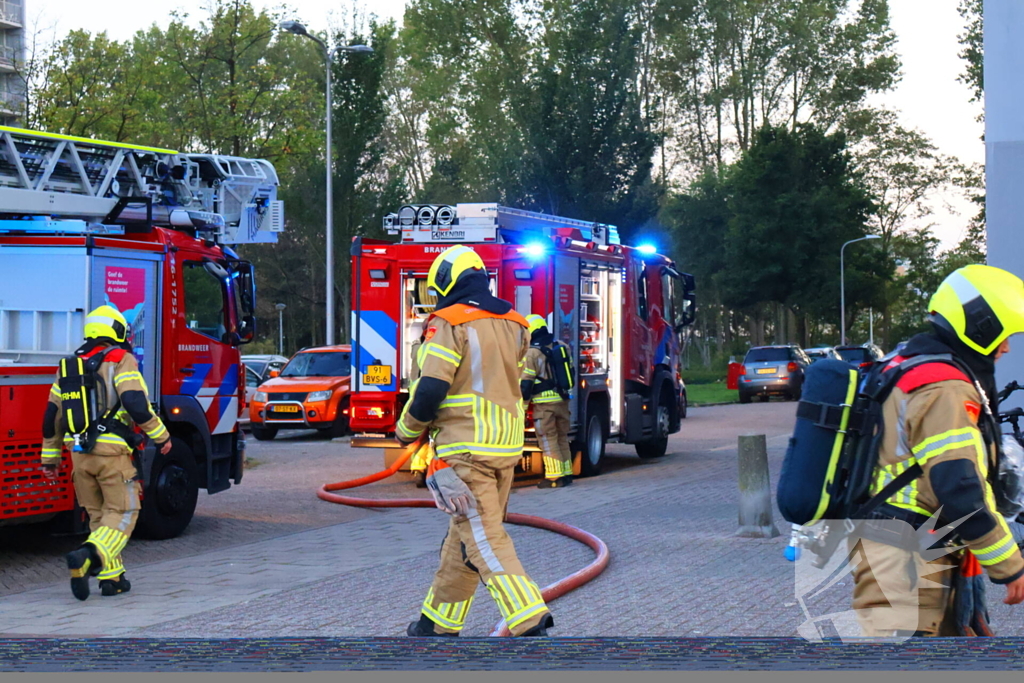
pixel 534 106
pixel 794 200
pixel 733 66
pixel 365 188
pixel 973 52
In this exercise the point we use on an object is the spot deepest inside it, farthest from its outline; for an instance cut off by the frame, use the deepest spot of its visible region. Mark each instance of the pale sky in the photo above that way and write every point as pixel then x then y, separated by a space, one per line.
pixel 929 95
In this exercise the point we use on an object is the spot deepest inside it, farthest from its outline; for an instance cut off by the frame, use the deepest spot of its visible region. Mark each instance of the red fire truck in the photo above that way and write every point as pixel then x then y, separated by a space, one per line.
pixel 619 308
pixel 85 223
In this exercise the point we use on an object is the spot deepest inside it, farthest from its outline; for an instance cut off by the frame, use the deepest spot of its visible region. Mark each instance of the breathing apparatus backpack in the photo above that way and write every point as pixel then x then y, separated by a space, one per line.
pixel 78 382
pixel 826 473
pixel 561 373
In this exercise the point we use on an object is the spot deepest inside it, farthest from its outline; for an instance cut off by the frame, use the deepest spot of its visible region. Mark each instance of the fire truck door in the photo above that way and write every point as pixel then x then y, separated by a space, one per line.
pixel 130 282
pixel 566 314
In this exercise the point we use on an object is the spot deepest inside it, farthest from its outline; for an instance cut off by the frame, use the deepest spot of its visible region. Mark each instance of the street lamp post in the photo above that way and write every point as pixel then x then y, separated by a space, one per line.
pixel 842 287
pixel 280 328
pixel 300 30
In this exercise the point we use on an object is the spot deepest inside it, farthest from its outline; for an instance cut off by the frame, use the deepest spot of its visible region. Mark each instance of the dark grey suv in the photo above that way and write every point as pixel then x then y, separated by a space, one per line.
pixel 773 370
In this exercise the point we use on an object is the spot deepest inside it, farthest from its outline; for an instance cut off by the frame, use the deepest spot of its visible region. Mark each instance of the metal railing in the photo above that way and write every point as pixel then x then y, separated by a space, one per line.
pixel 8 56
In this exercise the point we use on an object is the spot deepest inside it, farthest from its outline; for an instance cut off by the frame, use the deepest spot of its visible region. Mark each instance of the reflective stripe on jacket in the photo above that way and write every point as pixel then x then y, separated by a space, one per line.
pixel 480 355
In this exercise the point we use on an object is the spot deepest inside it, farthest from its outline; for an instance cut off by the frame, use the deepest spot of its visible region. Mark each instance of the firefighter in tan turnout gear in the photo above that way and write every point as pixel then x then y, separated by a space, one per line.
pixel 551 415
pixel 940 417
pixel 94 423
pixel 468 398
pixel 425 450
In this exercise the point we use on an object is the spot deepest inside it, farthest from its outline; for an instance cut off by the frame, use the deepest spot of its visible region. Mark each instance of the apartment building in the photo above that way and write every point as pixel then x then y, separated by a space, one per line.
pixel 12 56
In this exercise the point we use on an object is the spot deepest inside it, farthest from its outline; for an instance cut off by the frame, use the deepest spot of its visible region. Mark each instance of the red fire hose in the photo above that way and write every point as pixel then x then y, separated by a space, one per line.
pixel 550 593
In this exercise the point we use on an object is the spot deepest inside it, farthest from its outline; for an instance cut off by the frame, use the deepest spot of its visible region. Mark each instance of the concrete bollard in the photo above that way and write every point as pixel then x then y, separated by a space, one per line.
pixel 755 489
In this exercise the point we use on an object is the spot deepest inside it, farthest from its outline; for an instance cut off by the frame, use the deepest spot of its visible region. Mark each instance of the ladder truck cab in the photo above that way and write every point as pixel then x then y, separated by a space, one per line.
pixel 85 223
pixel 620 309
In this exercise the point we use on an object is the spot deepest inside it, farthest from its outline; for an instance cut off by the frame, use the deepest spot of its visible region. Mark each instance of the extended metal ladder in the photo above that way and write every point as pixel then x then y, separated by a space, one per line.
pixel 63 177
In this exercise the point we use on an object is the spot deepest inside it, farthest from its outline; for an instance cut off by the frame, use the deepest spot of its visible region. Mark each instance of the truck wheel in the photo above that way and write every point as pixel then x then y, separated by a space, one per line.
pixel 340 426
pixel 656 447
pixel 264 433
pixel 592 444
pixel 171 492
pixel 744 397
pixel 337 429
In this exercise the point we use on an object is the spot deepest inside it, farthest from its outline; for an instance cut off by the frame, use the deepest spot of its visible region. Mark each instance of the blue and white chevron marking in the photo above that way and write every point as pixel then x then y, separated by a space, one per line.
pixel 378 345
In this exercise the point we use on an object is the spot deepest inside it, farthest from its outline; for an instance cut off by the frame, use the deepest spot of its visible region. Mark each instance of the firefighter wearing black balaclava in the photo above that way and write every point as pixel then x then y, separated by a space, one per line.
pixel 940 415
pixel 467 397
pixel 94 423
pixel 551 416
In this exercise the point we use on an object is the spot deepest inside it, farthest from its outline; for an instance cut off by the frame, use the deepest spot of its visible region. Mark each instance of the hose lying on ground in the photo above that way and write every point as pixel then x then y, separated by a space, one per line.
pixel 550 593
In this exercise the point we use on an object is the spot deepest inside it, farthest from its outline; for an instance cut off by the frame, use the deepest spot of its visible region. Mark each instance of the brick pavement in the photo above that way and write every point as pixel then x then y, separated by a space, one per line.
pixel 676 568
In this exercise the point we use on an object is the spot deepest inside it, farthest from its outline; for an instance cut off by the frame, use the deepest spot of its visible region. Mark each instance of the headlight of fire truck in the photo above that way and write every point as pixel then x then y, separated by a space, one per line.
pixel 320 395
pixel 260 397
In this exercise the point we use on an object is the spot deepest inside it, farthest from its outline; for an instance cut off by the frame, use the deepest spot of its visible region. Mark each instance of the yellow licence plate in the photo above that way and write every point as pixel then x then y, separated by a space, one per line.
pixel 286 409
pixel 766 371
pixel 377 374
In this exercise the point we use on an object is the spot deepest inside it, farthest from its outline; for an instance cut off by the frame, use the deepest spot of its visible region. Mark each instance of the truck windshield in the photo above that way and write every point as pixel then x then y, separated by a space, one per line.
pixel 319 364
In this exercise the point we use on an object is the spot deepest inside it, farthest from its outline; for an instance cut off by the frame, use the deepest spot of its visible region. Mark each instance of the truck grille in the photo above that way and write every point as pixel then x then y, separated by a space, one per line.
pixel 287 396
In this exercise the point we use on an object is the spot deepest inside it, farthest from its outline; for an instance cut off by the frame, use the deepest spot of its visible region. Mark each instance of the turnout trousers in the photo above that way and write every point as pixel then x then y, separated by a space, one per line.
pixel 106 488
pixel 551 420
pixel 895 590
pixel 478 548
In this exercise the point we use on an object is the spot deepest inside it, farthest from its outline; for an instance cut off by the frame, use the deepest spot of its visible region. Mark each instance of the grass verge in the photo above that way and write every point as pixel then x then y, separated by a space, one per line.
pixel 702 394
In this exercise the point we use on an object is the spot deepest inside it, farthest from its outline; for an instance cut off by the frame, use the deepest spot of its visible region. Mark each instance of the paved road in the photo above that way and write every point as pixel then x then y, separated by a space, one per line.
pixel 269 559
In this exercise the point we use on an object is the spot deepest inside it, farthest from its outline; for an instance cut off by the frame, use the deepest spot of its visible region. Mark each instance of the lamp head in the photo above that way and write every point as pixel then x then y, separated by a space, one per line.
pixel 293 27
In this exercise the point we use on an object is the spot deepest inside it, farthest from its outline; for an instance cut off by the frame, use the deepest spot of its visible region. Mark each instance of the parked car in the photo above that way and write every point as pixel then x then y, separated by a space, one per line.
pixel 773 370
pixel 257 370
pixel 310 392
pixel 822 352
pixel 859 355
pixel 263 364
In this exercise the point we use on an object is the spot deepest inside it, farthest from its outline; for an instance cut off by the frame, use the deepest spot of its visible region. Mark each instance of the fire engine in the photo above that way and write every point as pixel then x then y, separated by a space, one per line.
pixel 620 309
pixel 86 222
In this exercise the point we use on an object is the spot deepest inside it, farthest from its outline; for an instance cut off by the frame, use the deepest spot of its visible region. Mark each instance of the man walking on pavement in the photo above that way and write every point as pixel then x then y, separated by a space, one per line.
pixel 99 392
pixel 550 409
pixel 940 417
pixel 476 419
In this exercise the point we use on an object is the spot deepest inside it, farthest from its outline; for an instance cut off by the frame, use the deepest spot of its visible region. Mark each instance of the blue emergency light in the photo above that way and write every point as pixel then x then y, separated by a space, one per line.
pixel 535 249
pixel 647 249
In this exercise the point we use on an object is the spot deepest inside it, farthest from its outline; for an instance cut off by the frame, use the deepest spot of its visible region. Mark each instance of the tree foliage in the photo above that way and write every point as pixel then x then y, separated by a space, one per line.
pixel 737 130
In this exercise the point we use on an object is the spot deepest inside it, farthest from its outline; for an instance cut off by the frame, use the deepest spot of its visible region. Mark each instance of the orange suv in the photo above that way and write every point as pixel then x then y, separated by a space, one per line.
pixel 311 392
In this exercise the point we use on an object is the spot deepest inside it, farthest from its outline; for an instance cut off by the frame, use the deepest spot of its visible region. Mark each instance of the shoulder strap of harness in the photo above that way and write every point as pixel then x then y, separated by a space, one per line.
pixel 460 314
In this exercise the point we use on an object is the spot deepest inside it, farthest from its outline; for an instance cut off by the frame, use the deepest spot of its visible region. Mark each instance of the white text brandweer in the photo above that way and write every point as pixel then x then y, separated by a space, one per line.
pixel 193 347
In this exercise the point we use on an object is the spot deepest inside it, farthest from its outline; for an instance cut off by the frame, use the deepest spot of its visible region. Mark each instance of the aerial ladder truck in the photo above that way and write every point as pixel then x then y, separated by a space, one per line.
pixel 148 230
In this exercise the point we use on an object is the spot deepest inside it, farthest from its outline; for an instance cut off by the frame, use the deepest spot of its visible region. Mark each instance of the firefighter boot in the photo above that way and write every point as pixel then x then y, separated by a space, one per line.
pixel 115 586
pixel 425 627
pixel 420 477
pixel 554 483
pixel 540 630
pixel 83 563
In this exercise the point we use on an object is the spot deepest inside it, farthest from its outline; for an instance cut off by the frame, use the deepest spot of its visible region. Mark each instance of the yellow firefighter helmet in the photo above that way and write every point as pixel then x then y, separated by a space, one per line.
pixel 536 322
pixel 106 322
pixel 982 305
pixel 449 265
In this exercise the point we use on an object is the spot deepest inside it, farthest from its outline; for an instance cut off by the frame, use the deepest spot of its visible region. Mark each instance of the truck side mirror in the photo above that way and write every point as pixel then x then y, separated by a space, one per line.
pixel 247 329
pixel 273 373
